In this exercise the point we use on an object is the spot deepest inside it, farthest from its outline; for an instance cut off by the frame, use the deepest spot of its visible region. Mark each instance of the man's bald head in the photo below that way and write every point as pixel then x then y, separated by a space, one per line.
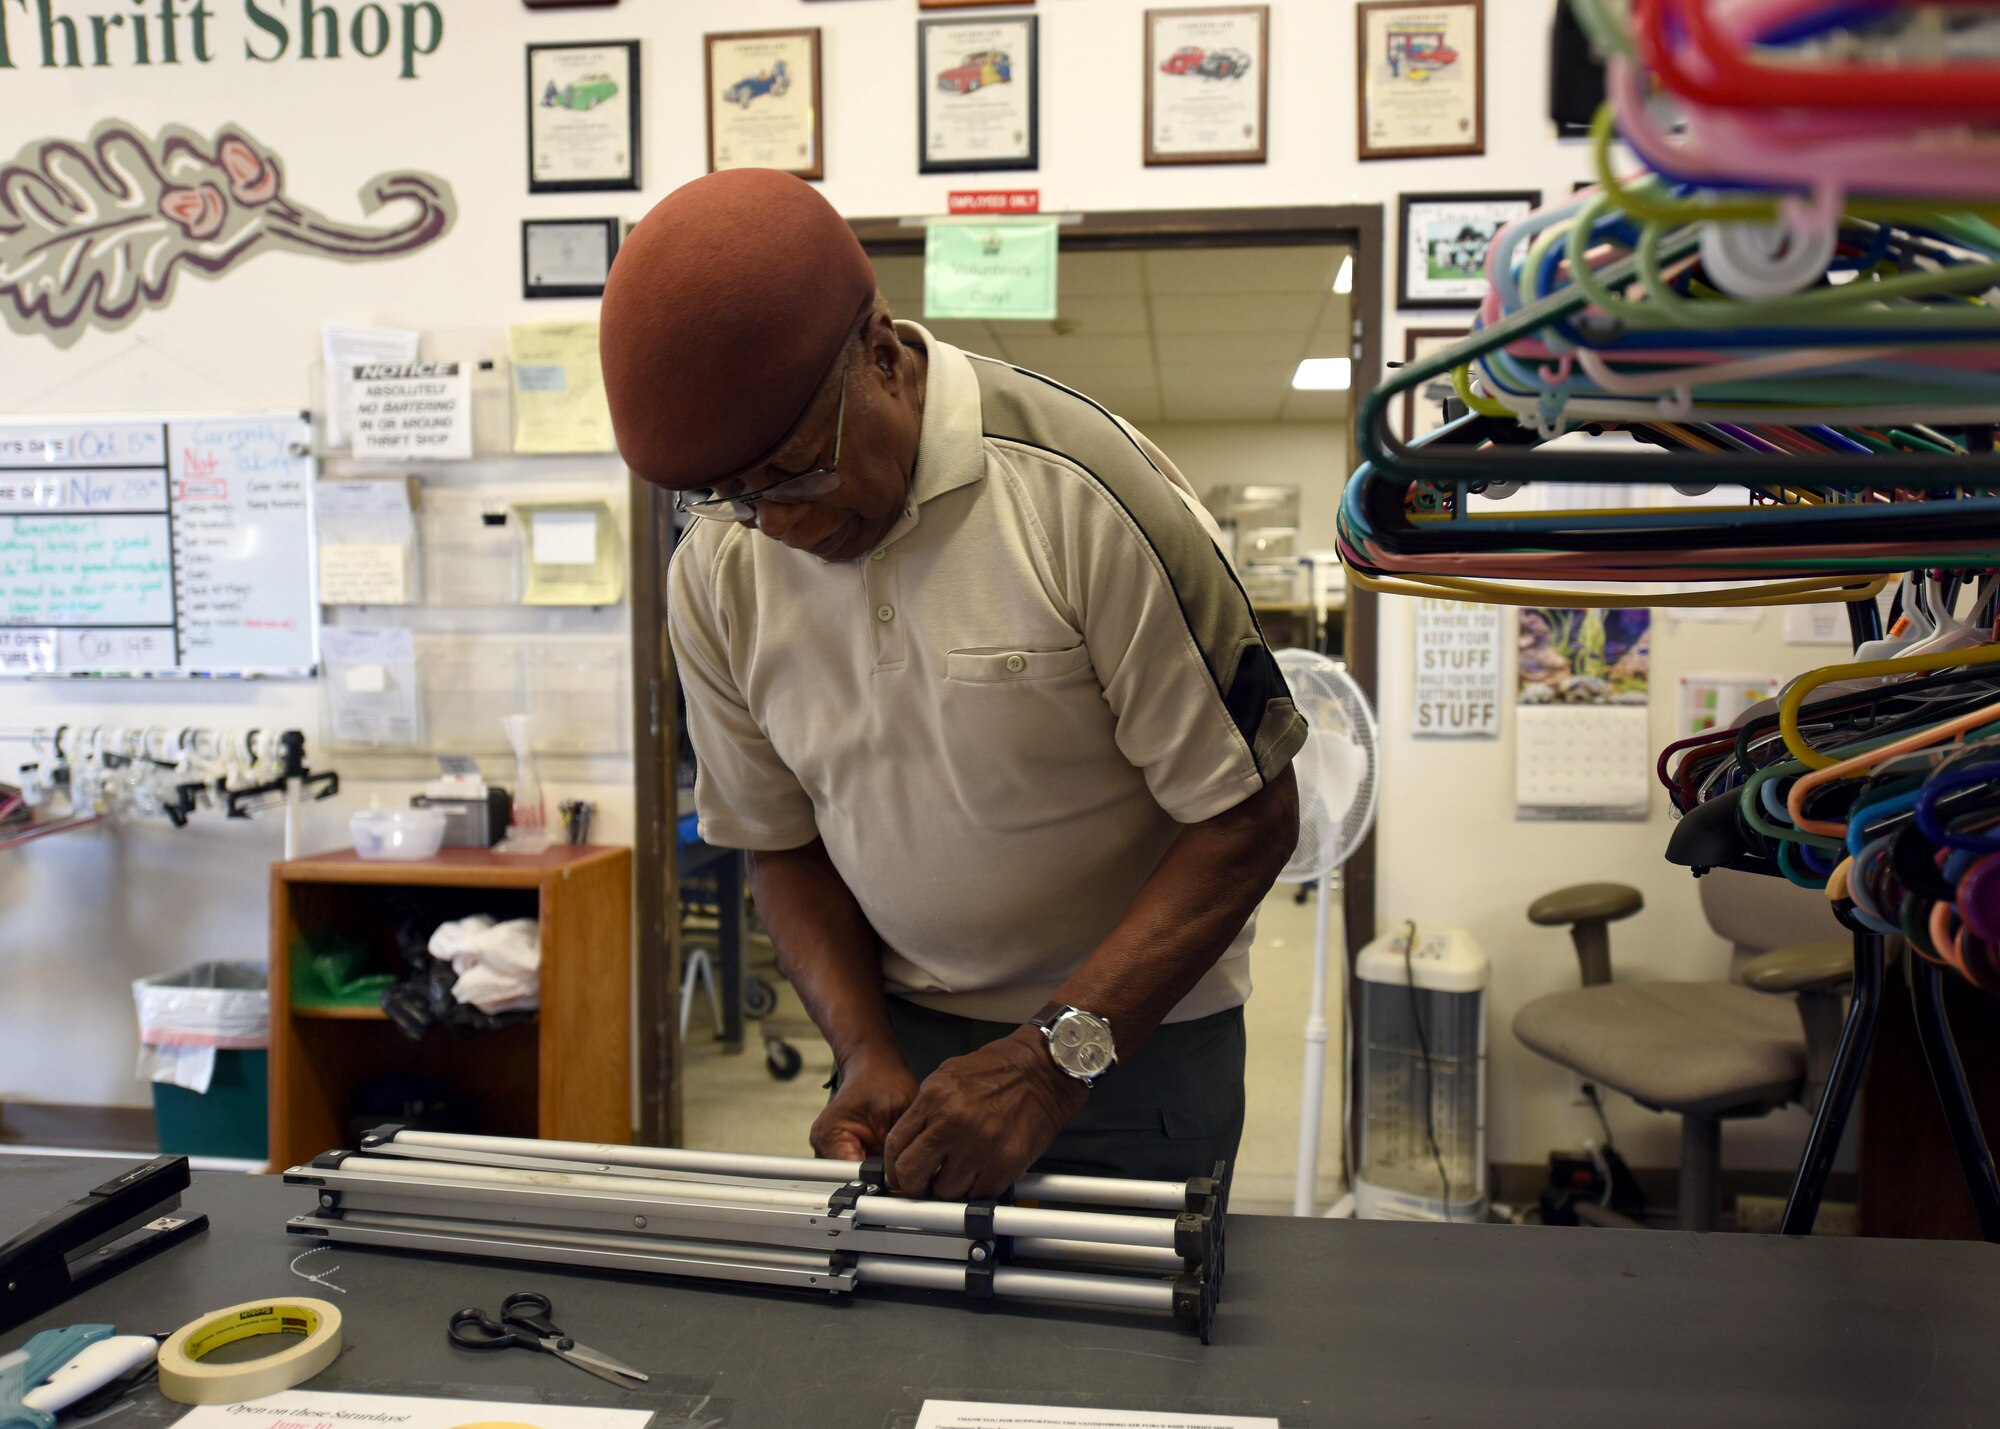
pixel 725 312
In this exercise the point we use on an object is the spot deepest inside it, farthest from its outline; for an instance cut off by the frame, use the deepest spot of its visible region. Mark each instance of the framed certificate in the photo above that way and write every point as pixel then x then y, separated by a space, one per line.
pixel 567 257
pixel 1207 85
pixel 977 104
pixel 1445 238
pixel 1423 407
pixel 583 117
pixel 1422 87
pixel 764 108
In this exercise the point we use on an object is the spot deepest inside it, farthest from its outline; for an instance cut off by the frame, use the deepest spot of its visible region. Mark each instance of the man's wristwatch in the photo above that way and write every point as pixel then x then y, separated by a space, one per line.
pixel 1080 1043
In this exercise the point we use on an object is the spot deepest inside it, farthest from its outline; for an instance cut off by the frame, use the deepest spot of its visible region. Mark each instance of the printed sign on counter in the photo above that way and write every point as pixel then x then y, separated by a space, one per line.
pixel 27 652
pixel 412 411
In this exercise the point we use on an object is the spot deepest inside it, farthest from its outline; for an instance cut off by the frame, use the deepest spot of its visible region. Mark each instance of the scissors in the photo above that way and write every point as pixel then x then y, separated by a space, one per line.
pixel 524 1322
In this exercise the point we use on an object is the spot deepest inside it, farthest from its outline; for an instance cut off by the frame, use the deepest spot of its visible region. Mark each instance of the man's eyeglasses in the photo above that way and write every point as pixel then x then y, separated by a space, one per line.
pixel 798 490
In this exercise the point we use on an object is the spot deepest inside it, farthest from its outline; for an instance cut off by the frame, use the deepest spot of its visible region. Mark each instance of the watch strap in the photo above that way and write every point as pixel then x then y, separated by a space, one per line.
pixel 1046 1018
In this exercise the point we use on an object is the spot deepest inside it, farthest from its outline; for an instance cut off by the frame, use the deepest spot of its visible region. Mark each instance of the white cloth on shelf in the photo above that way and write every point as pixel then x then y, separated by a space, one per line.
pixel 498 964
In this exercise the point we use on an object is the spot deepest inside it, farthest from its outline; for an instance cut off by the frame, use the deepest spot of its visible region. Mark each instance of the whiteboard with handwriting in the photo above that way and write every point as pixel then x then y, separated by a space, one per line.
pixel 157 546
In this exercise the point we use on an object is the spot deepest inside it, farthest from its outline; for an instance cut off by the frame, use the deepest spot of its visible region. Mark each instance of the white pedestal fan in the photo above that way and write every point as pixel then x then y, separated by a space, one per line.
pixel 1336 775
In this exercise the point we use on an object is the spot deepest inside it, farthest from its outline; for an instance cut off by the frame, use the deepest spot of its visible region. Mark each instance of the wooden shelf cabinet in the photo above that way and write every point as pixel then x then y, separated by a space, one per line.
pixel 565 1073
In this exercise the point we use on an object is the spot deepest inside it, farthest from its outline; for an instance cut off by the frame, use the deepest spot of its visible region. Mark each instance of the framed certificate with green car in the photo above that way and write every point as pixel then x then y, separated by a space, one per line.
pixel 583 117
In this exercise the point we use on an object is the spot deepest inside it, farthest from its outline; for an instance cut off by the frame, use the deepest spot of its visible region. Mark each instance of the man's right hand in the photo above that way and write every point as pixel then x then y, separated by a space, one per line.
pixel 874 1093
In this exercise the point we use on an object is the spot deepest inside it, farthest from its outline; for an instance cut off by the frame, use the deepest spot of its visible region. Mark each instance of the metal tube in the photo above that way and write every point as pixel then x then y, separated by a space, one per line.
pixel 721 1163
pixel 1014 1283
pixel 1078 1190
pixel 748 1254
pixel 1107 1257
pixel 438 1156
pixel 1843 1085
pixel 949 1217
pixel 1954 1097
pixel 1103 1191
pixel 450 1173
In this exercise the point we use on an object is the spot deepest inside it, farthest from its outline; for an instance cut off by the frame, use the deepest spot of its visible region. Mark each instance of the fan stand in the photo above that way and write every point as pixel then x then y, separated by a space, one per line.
pixel 1313 1097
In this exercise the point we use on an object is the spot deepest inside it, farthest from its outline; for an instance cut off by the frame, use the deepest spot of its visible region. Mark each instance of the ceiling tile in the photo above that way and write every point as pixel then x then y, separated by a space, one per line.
pixel 1242 379
pixel 1229 348
pixel 1055 355
pixel 1317 406
pixel 1233 312
pixel 1098 275
pixel 1302 269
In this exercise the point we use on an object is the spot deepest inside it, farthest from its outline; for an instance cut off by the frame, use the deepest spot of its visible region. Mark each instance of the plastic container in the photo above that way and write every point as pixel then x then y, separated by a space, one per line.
pixel 405 835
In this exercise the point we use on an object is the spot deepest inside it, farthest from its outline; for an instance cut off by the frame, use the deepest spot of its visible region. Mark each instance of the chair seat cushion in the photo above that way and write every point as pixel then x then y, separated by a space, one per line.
pixel 1704 1047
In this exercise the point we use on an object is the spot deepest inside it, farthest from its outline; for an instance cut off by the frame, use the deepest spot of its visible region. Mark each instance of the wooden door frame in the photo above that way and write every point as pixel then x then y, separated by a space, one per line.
pixel 656 841
pixel 1358 226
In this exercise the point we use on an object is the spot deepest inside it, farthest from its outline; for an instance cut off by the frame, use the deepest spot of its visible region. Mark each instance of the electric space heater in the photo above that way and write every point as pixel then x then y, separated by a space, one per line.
pixel 1422 1023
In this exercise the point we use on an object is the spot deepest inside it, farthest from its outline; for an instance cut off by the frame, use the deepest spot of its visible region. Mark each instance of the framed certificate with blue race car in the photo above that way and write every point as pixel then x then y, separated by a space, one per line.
pixel 764 109
pixel 977 103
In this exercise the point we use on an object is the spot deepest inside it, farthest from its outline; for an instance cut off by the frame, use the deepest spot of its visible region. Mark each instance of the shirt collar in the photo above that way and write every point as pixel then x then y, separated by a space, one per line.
pixel 951 444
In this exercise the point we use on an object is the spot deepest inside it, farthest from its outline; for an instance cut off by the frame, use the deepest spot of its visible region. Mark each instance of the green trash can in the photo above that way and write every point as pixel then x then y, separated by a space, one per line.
pixel 203 1035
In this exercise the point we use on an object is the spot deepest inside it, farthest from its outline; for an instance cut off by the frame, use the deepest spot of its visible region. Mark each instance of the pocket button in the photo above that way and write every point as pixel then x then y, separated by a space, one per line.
pixel 1016 664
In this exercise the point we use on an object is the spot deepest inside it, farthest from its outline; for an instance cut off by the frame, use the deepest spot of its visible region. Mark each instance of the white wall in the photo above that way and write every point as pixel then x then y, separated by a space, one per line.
pixel 1450 850
pixel 1300 454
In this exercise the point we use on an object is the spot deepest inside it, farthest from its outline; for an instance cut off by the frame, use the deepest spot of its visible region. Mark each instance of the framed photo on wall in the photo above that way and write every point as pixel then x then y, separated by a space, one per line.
pixel 1208 85
pixel 1442 263
pixel 567 257
pixel 583 117
pixel 1423 407
pixel 1422 86
pixel 977 94
pixel 764 109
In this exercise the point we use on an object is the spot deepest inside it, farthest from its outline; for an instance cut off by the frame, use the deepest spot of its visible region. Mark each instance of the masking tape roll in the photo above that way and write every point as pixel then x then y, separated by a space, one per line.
pixel 186 1380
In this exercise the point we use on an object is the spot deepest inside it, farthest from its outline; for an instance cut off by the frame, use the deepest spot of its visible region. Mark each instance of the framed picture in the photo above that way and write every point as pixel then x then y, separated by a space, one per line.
pixel 567 257
pixel 1422 86
pixel 764 109
pixel 1445 237
pixel 1208 94
pixel 977 102
pixel 1423 407
pixel 583 117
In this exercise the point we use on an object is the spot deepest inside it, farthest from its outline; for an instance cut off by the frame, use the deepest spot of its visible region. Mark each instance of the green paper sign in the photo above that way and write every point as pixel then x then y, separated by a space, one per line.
pixel 985 269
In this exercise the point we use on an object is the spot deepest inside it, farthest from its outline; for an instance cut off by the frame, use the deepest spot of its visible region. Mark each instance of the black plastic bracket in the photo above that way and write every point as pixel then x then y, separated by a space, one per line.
pixel 1194 1304
pixel 330 1160
pixel 844 1199
pixel 377 1137
pixel 979 1220
pixel 979 1281
pixel 874 1173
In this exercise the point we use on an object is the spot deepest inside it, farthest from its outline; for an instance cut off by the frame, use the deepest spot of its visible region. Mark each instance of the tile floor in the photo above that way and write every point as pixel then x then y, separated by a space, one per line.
pixel 732 1103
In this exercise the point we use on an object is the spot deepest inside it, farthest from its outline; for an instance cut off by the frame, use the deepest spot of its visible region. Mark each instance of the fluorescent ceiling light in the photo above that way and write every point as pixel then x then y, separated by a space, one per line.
pixel 1324 374
pixel 1343 281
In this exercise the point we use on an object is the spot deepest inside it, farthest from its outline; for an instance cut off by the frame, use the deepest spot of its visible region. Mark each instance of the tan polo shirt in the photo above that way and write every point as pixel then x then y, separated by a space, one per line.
pixel 999 720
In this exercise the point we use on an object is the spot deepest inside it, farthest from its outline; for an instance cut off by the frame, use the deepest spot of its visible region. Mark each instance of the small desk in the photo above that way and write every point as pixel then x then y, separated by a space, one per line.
pixel 1361 1325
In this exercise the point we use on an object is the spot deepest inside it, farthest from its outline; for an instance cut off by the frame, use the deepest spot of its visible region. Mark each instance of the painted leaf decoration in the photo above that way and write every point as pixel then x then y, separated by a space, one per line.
pixel 96 233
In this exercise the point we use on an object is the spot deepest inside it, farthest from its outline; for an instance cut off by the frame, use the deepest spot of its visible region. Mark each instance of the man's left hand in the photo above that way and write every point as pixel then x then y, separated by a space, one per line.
pixel 979 1121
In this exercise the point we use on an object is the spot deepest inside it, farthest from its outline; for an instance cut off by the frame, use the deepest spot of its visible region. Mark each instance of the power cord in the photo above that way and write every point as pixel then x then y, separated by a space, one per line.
pixel 1424 1047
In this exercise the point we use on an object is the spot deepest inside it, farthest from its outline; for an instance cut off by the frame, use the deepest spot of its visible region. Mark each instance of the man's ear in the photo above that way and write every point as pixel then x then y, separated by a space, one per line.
pixel 885 349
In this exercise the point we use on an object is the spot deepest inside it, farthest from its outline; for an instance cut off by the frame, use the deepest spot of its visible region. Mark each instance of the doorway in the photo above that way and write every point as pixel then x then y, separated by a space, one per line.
pixel 1192 326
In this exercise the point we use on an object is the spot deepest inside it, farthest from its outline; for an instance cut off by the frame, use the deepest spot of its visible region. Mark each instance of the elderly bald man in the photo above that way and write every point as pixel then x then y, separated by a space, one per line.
pixel 969 676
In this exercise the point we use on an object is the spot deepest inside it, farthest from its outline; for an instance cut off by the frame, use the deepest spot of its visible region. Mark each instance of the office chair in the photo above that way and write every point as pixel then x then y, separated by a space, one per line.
pixel 1707 1051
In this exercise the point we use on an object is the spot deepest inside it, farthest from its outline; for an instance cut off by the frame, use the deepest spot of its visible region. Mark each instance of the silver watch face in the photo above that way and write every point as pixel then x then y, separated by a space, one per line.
pixel 1082 1045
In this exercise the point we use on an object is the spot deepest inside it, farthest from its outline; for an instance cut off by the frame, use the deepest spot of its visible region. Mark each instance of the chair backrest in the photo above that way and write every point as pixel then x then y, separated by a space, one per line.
pixel 1758 914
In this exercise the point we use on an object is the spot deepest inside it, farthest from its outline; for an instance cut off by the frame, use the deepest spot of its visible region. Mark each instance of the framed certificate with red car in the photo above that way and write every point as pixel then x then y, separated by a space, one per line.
pixel 1422 86
pixel 1207 72
pixel 977 100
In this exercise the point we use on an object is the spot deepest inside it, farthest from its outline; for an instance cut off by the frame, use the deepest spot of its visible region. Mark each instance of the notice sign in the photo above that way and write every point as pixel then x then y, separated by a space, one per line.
pixel 27 652
pixel 1458 654
pixel 998 269
pixel 412 411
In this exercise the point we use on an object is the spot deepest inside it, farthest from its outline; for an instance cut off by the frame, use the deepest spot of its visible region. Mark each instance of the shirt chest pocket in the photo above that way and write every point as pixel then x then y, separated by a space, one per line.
pixel 1029 740
pixel 1016 667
